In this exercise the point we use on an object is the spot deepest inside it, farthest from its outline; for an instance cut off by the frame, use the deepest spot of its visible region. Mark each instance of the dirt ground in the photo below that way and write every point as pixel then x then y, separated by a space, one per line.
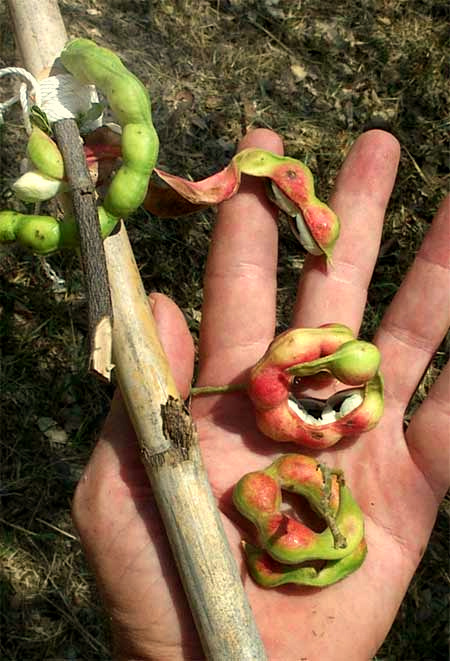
pixel 319 73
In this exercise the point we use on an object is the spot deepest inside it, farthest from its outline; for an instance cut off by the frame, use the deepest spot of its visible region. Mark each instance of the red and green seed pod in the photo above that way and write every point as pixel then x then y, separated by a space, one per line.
pixel 258 496
pixel 315 224
pixel 291 188
pixel 275 386
pixel 270 574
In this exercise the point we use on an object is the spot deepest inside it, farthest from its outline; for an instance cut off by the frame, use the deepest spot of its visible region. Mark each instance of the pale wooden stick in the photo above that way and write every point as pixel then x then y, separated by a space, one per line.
pixel 165 432
pixel 173 464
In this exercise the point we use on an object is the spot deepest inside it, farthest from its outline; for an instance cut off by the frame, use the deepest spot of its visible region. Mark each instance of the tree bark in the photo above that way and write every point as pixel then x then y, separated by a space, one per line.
pixel 100 313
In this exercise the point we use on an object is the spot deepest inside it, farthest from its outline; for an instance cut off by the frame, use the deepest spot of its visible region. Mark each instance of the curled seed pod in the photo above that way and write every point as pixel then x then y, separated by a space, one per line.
pixel 44 234
pixel 258 497
pixel 271 574
pixel 291 188
pixel 130 103
pixel 275 387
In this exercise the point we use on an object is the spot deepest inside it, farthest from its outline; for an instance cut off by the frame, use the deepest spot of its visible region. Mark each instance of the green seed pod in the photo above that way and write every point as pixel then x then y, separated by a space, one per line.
pixel 270 574
pixel 130 103
pixel 44 234
pixel 44 154
pixel 257 496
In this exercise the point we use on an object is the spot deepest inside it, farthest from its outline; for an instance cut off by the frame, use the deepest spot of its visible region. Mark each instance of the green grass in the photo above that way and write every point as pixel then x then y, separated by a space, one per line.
pixel 318 73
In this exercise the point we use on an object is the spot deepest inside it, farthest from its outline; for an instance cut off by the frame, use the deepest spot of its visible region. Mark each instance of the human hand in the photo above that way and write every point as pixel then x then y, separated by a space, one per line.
pixel 398 480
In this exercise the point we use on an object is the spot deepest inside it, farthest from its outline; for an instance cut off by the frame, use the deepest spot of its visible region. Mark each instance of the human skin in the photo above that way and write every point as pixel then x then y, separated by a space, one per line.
pixel 397 480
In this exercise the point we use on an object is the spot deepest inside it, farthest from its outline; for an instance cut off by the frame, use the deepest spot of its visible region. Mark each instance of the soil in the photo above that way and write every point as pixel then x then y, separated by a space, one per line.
pixel 317 73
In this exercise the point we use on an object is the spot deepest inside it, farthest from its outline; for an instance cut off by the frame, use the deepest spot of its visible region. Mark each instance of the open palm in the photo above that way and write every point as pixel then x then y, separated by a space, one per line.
pixel 397 481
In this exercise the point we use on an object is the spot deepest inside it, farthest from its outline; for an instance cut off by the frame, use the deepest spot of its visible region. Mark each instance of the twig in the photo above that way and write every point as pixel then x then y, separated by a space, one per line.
pixel 91 247
pixel 171 457
pixel 20 528
pixel 60 530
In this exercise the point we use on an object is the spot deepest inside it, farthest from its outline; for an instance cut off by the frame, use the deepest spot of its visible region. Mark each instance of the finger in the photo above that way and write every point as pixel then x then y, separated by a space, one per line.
pixel 176 340
pixel 419 315
pixel 240 281
pixel 338 293
pixel 428 436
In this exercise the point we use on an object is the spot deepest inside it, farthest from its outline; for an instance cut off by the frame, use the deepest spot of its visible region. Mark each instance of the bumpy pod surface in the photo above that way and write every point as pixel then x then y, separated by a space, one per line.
pixel 275 386
pixel 291 188
pixel 270 574
pixel 258 496
pixel 45 234
pixel 130 103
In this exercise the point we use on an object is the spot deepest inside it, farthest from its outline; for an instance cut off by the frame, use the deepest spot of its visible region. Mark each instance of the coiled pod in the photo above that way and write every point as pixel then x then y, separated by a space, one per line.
pixel 275 386
pixel 283 540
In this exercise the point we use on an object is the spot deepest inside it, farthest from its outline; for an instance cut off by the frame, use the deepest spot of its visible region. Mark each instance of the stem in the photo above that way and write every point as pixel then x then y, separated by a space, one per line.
pixel 93 259
pixel 312 367
pixel 327 513
pixel 170 452
pixel 214 390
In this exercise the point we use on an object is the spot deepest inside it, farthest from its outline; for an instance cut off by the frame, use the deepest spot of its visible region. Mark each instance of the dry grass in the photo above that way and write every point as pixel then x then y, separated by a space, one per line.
pixel 318 73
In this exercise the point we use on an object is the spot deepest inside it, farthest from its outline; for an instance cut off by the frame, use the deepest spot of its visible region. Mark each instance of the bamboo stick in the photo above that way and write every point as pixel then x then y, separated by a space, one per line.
pixel 165 432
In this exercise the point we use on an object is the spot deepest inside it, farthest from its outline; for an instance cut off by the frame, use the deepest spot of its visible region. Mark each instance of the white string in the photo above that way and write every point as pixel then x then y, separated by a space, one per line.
pixel 64 97
pixel 23 95
pixel 60 96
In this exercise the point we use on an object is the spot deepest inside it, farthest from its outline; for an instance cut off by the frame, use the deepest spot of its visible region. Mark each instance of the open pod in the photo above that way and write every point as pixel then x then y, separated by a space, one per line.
pixel 290 185
pixel 275 386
